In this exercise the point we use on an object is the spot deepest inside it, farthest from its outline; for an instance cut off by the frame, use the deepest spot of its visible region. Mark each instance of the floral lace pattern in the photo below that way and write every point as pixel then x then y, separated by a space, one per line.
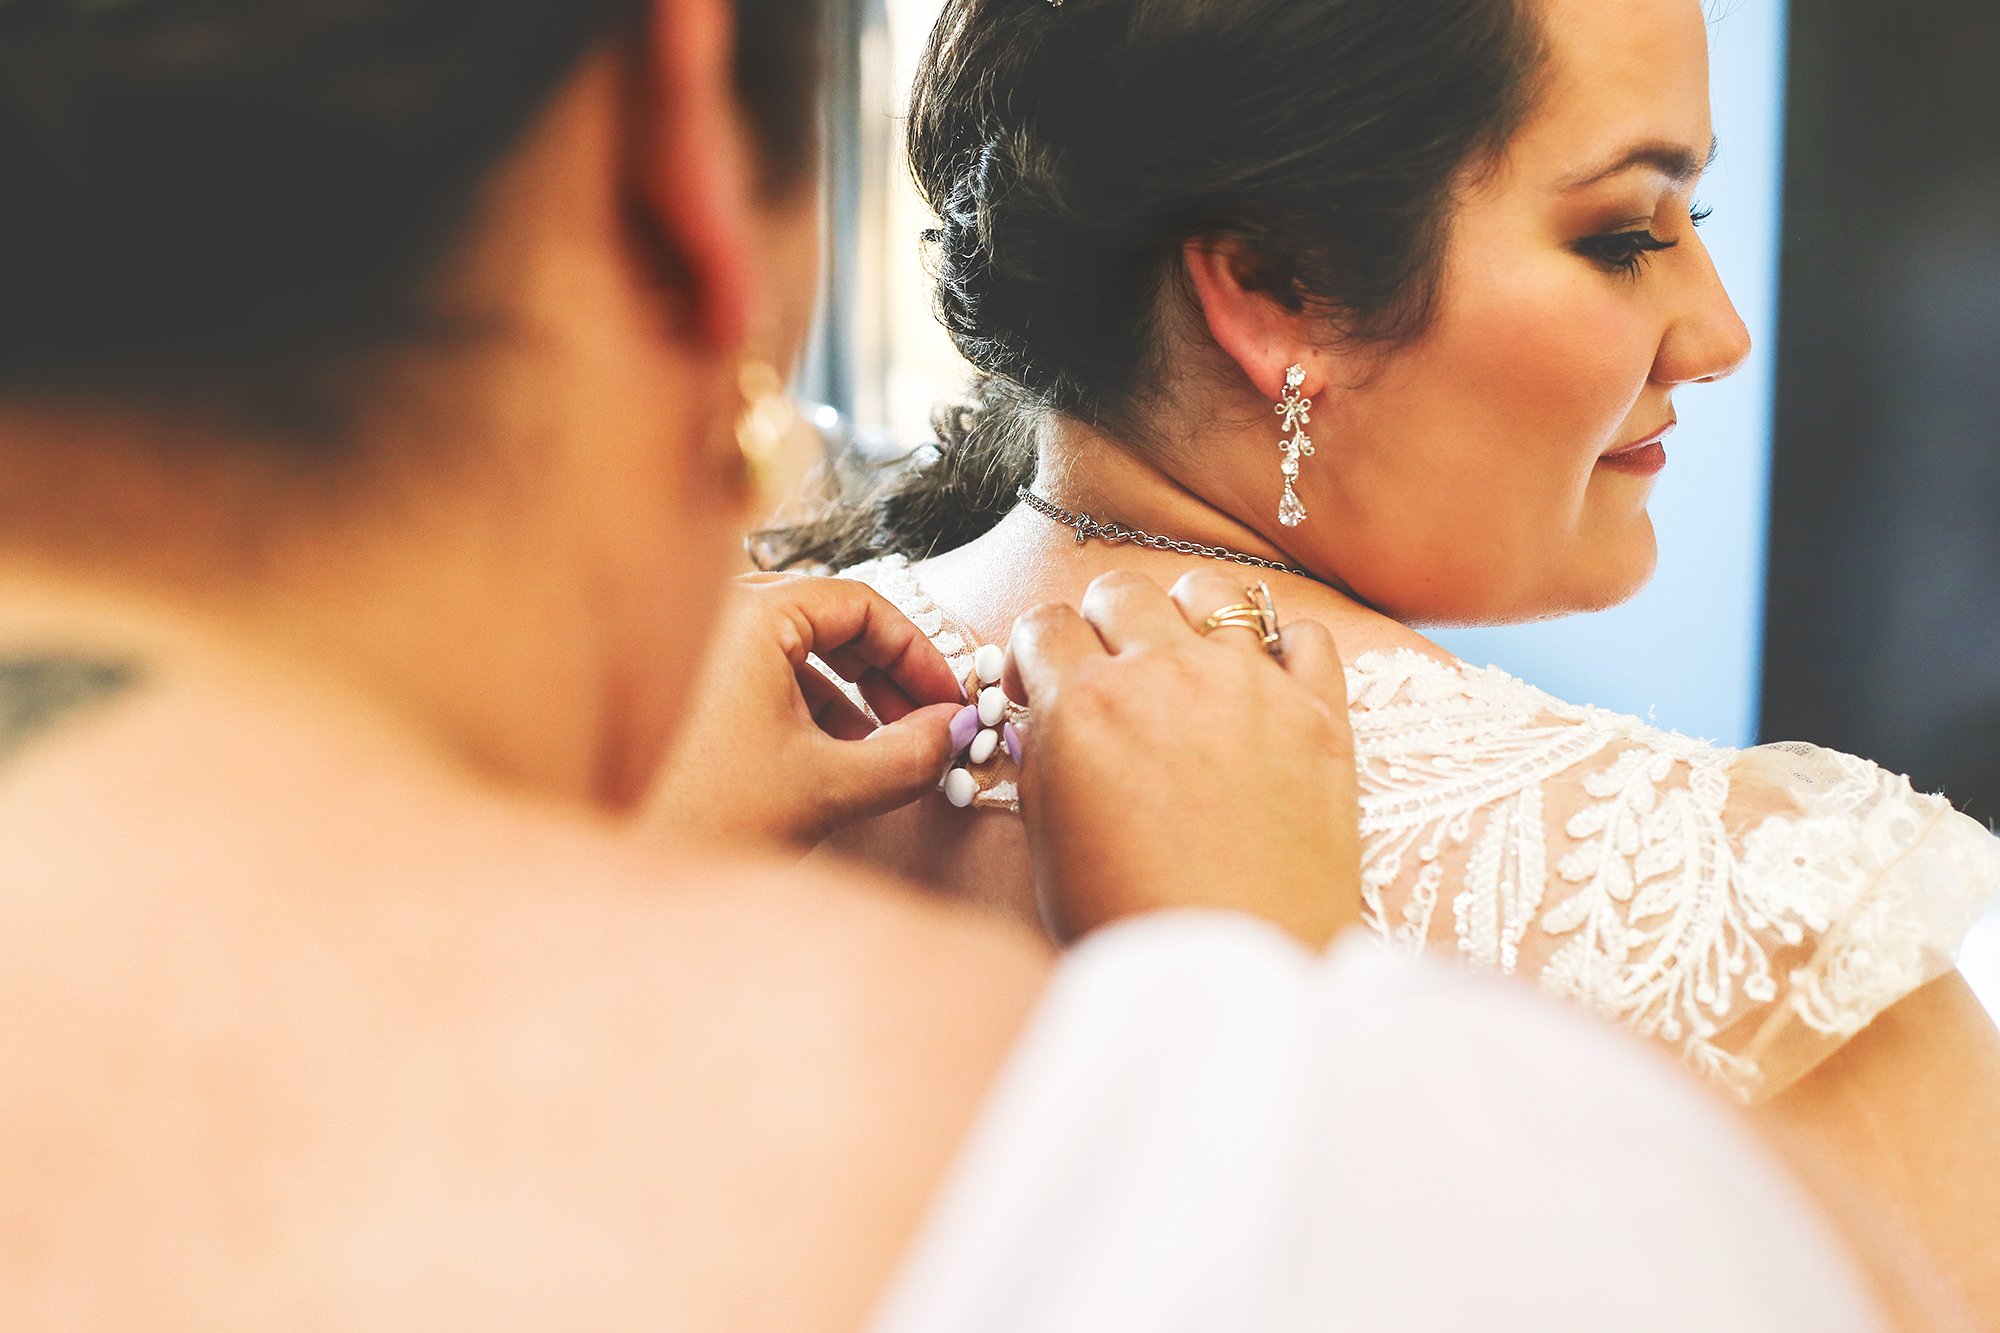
pixel 1751 909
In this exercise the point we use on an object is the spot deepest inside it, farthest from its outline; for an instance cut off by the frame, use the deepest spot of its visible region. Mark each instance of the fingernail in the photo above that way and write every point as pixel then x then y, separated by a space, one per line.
pixel 964 727
pixel 1012 739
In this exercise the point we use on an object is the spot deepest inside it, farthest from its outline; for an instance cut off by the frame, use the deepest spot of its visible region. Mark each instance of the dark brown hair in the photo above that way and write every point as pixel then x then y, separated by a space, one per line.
pixel 1070 152
pixel 207 194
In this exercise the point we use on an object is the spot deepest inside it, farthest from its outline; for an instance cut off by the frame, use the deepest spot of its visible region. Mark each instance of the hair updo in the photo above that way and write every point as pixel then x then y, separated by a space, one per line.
pixel 1069 154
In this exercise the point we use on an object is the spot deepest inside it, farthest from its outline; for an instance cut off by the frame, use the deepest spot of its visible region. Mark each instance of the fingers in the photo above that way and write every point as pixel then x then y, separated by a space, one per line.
pixel 885 696
pixel 893 766
pixel 832 711
pixel 1130 612
pixel 859 633
pixel 1047 642
pixel 1202 593
pixel 1310 658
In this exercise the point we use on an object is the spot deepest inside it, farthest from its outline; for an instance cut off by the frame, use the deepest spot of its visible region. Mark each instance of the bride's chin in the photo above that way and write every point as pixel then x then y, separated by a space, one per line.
pixel 1621 577
pixel 1590 577
pixel 1597 582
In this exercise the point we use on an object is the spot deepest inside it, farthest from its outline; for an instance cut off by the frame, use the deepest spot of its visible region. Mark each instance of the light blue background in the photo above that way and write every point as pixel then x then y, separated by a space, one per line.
pixel 1687 652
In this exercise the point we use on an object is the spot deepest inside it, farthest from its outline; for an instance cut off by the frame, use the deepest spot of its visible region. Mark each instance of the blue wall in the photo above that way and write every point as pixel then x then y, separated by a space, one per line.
pixel 1687 651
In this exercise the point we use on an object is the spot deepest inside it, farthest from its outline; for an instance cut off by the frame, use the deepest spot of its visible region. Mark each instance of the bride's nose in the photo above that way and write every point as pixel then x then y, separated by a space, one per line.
pixel 1708 339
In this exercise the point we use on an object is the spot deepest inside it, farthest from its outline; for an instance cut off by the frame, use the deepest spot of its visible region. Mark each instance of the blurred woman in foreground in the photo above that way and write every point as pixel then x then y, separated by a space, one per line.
pixel 366 479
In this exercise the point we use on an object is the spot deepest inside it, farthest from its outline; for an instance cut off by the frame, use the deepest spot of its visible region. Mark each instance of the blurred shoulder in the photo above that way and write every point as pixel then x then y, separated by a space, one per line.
pixel 816 950
pixel 798 1055
pixel 504 1051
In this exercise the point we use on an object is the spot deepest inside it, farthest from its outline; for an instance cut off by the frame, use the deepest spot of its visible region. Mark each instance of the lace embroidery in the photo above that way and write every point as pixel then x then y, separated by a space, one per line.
pixel 1751 909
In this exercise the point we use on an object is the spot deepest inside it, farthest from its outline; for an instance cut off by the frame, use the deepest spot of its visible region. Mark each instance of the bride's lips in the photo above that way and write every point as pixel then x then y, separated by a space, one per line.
pixel 1642 457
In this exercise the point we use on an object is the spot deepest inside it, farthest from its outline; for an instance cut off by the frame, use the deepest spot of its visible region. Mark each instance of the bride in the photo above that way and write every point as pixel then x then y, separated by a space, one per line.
pixel 1388 303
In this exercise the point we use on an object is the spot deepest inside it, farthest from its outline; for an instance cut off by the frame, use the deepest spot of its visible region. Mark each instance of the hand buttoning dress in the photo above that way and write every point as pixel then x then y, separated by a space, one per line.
pixel 1752 909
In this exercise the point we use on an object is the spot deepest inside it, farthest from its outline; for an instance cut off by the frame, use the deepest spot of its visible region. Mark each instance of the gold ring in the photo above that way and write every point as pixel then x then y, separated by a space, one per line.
pixel 1241 614
pixel 1259 615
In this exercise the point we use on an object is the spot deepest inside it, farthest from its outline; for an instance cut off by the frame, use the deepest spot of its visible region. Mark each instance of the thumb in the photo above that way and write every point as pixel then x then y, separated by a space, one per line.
pixel 891 767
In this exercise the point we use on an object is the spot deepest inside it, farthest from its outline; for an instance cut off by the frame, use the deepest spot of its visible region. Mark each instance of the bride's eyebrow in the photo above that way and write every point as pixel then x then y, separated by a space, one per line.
pixel 1680 164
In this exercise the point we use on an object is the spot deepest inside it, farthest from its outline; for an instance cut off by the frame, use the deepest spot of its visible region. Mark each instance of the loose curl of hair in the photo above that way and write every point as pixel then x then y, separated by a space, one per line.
pixel 1071 153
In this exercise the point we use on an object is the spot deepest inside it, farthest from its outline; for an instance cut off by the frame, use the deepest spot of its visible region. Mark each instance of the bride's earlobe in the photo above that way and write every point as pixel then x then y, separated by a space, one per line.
pixel 1254 326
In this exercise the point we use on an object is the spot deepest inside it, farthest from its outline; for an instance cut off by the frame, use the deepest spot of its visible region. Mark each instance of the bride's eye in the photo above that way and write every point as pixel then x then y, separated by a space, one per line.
pixel 1624 252
pixel 1627 250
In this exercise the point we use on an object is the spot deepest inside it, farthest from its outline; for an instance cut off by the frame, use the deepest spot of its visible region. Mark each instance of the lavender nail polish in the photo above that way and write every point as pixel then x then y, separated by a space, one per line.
pixel 964 727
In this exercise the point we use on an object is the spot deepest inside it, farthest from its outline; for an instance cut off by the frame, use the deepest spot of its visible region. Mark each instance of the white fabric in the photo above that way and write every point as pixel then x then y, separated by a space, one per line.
pixel 1981 962
pixel 1208 1129
pixel 1751 909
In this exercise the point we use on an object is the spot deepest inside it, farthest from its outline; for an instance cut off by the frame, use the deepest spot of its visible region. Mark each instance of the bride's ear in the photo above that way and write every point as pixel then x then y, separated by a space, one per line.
pixel 1251 312
pixel 690 168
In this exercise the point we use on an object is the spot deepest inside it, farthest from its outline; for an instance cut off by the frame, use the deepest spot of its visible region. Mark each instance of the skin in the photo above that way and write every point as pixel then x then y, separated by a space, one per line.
pixel 1125 667
pixel 337 994
pixel 1463 481
pixel 341 988
pixel 1458 479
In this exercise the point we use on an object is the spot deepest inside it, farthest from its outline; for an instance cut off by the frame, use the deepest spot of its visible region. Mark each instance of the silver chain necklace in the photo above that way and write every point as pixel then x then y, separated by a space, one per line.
pixel 1118 534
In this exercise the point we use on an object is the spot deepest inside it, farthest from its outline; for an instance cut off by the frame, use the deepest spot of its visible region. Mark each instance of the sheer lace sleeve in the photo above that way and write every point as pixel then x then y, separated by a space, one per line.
pixel 1752 909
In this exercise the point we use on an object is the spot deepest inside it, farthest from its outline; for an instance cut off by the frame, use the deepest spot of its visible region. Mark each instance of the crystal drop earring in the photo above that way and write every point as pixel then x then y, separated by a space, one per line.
pixel 1296 409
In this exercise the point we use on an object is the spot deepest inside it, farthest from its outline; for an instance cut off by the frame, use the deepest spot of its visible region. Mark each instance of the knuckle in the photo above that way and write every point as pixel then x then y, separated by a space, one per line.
pixel 1116 589
pixel 1041 618
pixel 1310 632
pixel 1121 579
pixel 790 630
pixel 1204 585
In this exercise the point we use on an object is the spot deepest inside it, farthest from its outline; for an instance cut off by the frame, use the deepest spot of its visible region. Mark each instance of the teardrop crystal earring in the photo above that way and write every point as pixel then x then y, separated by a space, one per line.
pixel 1296 409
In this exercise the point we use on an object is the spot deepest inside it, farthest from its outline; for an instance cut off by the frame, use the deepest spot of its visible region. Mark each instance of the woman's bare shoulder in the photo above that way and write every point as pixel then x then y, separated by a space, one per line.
pixel 505 1052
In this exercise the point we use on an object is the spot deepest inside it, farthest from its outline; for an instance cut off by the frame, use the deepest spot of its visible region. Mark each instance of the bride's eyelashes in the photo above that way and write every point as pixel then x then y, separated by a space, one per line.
pixel 1626 251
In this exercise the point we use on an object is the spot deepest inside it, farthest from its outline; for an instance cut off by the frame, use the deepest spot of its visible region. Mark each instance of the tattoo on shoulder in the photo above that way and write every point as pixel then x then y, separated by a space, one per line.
pixel 40 690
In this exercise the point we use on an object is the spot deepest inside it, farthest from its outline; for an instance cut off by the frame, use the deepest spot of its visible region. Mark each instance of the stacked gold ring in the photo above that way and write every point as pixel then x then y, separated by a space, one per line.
pixel 1258 614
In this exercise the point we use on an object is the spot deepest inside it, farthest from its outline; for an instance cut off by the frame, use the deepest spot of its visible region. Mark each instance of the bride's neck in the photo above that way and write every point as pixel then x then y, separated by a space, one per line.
pixel 1087 472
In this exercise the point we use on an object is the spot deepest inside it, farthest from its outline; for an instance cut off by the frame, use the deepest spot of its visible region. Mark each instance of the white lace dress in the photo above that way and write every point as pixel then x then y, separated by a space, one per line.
pixel 1753 909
